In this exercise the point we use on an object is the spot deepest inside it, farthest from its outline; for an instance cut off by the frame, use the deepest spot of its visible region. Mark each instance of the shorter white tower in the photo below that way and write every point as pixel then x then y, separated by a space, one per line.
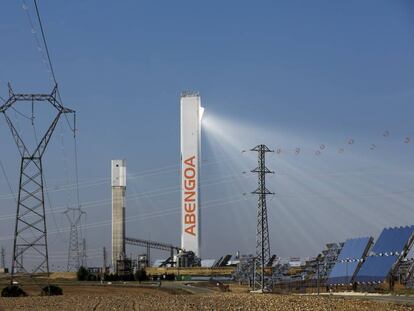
pixel 118 211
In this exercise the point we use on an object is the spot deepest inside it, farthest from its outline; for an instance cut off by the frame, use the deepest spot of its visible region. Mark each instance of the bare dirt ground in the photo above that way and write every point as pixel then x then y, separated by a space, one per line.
pixel 168 297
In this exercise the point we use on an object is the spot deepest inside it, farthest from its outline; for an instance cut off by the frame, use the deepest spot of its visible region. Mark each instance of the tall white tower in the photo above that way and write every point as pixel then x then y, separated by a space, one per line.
pixel 118 211
pixel 191 114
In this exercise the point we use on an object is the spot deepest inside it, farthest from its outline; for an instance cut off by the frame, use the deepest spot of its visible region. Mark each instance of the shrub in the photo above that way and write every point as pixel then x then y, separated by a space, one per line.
pixel 169 277
pixel 13 291
pixel 111 277
pixel 51 290
pixel 82 274
pixel 127 277
pixel 141 275
pixel 108 277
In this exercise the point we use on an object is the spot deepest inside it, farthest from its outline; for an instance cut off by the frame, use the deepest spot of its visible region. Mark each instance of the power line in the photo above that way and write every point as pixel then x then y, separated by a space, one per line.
pixel 8 181
pixel 51 66
pixel 206 182
pixel 76 173
pixel 34 33
pixel 45 43
pixel 73 255
pixel 21 114
pixel 100 203
pixel 209 205
pixel 102 181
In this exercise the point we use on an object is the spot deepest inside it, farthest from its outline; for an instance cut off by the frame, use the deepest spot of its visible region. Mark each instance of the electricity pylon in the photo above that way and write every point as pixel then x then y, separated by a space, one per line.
pixel 262 231
pixel 74 216
pixel 30 234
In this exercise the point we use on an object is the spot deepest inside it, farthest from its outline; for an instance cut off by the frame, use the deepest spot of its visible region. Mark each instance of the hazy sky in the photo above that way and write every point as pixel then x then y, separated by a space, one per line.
pixel 291 74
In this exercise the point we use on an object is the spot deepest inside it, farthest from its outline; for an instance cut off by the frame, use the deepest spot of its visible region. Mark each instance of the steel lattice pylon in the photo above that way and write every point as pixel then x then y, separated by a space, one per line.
pixel 74 215
pixel 30 235
pixel 262 232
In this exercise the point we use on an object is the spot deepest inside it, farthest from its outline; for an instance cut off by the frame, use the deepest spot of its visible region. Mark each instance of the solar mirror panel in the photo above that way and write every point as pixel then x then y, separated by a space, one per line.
pixel 349 261
pixel 385 253
pixel 393 240
pixel 342 273
pixel 354 248
pixel 376 268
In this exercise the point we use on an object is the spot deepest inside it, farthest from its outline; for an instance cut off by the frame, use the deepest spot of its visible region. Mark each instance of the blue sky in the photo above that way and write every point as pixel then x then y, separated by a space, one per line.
pixel 288 73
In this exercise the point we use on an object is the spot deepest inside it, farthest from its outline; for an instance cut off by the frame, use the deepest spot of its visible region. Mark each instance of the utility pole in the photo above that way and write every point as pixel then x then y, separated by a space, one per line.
pixel 20 269
pixel 3 258
pixel 149 254
pixel 262 231
pixel 30 233
pixel 104 260
pixel 319 278
pixel 74 216
pixel 21 260
pixel 84 256
pixel 254 272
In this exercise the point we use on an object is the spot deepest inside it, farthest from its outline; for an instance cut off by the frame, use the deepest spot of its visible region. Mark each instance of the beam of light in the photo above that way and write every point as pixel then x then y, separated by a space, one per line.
pixel 308 203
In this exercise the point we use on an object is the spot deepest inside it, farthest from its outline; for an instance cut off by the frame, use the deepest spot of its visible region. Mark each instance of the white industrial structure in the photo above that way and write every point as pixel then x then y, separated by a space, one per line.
pixel 191 114
pixel 118 211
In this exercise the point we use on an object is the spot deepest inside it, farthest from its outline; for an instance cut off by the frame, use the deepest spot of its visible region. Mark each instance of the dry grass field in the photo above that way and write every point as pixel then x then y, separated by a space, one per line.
pixel 95 298
pixel 84 296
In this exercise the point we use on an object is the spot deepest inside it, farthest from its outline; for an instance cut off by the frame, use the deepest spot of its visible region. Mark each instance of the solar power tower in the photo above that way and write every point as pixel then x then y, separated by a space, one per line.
pixel 262 231
pixel 30 235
